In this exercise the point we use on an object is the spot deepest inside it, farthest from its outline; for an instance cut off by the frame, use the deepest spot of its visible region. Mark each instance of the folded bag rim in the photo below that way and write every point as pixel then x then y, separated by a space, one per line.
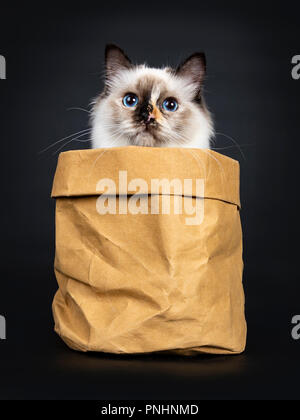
pixel 78 171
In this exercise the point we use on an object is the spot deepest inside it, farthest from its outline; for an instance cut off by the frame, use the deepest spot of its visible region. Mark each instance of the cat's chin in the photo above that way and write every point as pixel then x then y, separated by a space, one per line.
pixel 146 139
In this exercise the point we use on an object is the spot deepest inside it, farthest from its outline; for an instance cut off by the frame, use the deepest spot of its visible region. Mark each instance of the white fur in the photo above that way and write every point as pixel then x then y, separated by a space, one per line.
pixel 105 135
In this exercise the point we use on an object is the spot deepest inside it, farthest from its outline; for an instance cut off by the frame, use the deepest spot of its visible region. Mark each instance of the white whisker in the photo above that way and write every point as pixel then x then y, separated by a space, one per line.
pixel 70 141
pixel 79 109
pixel 234 142
pixel 65 138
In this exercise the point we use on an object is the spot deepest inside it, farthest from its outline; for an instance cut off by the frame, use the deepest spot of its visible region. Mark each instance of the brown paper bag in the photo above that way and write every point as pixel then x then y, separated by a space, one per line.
pixel 149 251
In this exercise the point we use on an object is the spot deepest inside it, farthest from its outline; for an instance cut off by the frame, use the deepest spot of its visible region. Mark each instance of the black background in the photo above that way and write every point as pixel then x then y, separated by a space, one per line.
pixel 54 62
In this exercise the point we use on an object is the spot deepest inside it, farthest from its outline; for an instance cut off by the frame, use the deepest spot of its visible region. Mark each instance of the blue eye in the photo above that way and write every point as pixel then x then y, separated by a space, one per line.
pixel 130 100
pixel 170 104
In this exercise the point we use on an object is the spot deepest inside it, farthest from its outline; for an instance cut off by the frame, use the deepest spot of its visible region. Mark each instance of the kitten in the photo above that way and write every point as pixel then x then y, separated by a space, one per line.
pixel 145 106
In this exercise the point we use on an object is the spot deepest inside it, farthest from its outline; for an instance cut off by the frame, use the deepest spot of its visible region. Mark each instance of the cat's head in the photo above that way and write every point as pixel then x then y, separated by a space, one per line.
pixel 151 107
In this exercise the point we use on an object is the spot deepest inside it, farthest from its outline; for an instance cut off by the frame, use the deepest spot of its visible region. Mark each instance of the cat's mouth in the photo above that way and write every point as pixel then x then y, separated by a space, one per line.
pixel 147 135
pixel 149 126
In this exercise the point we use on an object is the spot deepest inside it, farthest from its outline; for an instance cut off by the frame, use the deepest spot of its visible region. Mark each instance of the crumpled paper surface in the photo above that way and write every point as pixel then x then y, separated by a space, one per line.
pixel 145 283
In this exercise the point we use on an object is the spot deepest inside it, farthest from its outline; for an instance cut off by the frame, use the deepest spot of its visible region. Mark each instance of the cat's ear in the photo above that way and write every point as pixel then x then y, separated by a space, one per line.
pixel 193 69
pixel 115 61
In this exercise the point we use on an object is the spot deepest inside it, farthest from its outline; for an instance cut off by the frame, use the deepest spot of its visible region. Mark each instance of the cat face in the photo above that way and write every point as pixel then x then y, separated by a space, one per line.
pixel 145 106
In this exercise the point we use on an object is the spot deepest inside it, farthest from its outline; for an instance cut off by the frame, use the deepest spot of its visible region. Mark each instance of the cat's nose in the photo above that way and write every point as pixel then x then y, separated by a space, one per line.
pixel 146 114
pixel 150 119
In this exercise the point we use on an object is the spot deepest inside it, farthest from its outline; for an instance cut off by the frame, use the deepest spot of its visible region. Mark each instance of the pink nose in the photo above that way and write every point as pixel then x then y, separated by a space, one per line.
pixel 151 118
